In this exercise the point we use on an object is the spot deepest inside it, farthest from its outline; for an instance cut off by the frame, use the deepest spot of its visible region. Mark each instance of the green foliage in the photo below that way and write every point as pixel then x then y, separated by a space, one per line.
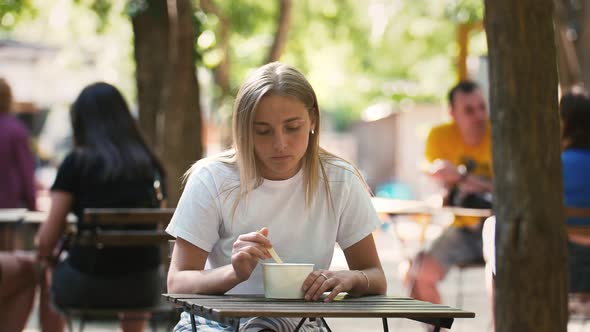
pixel 199 27
pixel 82 54
pixel 248 17
pixel 102 9
pixel 355 53
pixel 135 7
pixel 464 11
pixel 11 11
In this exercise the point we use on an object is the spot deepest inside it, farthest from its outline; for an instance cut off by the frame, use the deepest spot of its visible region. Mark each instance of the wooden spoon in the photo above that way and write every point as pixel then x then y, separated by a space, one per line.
pixel 273 253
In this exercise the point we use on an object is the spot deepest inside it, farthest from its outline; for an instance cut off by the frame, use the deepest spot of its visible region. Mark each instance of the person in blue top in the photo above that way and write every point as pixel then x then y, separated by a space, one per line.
pixel 575 158
pixel 574 112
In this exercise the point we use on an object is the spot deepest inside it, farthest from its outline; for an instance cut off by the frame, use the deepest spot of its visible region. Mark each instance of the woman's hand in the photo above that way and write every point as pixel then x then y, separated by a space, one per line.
pixel 247 250
pixel 336 282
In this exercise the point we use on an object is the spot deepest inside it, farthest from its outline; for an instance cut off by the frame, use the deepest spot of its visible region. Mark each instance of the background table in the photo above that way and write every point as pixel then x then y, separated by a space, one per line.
pixel 399 207
pixel 229 309
pixel 413 207
pixel 19 226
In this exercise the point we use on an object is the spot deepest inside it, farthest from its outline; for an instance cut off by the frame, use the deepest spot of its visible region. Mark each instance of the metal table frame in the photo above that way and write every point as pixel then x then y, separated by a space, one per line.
pixel 221 309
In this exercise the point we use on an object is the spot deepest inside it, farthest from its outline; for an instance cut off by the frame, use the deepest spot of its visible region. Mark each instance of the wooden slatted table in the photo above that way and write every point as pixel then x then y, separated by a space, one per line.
pixel 228 310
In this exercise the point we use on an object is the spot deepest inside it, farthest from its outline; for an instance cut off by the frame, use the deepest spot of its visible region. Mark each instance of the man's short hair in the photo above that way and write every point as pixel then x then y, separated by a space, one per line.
pixel 5 96
pixel 574 110
pixel 465 86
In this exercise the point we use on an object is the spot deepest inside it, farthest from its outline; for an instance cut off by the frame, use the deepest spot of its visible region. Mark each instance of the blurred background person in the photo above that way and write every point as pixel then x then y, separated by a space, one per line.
pixel 18 272
pixel 460 157
pixel 17 163
pixel 574 111
pixel 110 167
pixel 575 159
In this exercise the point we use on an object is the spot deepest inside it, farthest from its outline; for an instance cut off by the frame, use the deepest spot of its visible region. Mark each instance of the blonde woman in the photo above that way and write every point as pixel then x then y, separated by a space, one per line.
pixel 277 188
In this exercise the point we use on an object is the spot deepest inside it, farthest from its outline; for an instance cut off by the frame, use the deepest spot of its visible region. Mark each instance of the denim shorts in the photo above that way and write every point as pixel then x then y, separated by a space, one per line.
pixel 457 245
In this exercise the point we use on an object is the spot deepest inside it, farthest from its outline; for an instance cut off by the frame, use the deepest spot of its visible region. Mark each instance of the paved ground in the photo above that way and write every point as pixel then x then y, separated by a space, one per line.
pixel 393 255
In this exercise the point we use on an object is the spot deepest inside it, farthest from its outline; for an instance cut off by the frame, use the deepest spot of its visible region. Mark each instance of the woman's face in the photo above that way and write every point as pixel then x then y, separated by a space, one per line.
pixel 281 134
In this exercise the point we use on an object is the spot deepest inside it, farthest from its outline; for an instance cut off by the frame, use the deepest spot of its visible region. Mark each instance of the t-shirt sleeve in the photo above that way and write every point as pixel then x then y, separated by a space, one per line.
pixel 358 217
pixel 433 145
pixel 197 218
pixel 65 180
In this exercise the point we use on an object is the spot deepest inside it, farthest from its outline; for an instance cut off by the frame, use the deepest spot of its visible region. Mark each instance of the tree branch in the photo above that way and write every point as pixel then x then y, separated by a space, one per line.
pixel 280 39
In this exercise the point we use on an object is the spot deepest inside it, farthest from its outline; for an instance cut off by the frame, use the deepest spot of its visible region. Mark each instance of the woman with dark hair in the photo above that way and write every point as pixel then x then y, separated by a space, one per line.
pixel 110 167
pixel 575 158
pixel 574 110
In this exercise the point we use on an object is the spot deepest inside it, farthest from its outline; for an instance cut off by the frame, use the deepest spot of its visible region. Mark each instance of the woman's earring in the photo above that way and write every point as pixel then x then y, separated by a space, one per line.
pixel 312 131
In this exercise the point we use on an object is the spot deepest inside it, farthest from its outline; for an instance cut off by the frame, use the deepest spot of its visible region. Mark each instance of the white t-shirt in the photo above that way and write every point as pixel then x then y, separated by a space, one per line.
pixel 299 234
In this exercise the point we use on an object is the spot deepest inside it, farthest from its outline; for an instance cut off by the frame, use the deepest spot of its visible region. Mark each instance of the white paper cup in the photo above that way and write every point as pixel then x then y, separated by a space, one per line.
pixel 284 281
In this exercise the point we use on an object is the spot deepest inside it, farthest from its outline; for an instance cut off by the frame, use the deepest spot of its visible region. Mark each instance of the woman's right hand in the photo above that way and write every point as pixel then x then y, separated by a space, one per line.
pixel 247 250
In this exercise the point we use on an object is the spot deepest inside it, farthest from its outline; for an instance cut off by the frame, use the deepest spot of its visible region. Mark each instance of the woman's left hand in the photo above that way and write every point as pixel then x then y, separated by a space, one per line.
pixel 322 281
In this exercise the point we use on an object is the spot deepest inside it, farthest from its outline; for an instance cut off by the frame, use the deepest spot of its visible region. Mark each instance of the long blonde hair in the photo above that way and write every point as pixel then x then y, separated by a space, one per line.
pixel 275 79
pixel 278 79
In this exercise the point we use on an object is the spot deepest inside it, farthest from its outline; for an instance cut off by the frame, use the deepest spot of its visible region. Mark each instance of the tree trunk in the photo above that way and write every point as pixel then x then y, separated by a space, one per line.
pixel 278 44
pixel 182 139
pixel 150 29
pixel 531 285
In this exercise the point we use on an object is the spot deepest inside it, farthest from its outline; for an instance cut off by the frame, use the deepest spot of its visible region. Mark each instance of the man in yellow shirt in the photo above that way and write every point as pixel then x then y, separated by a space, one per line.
pixel 460 159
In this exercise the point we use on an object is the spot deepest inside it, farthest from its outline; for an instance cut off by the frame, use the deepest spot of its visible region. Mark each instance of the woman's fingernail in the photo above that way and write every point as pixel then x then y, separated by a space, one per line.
pixel 304 288
pixel 307 297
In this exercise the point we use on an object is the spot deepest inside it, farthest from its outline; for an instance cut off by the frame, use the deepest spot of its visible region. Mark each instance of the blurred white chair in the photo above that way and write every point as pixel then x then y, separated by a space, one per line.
pixel 489 251
pixel 579 303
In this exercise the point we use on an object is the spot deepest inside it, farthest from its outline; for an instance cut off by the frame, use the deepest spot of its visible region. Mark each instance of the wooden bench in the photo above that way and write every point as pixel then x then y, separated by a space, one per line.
pixel 100 228
pixel 97 229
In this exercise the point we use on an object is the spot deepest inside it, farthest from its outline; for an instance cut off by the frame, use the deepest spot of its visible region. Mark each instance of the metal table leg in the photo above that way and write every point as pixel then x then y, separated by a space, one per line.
pixel 193 323
pixel 324 323
pixel 385 326
pixel 300 324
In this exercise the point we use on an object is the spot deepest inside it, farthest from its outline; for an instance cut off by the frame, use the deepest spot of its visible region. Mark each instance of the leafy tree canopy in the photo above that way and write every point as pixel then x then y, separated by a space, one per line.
pixel 12 10
pixel 93 39
pixel 355 53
